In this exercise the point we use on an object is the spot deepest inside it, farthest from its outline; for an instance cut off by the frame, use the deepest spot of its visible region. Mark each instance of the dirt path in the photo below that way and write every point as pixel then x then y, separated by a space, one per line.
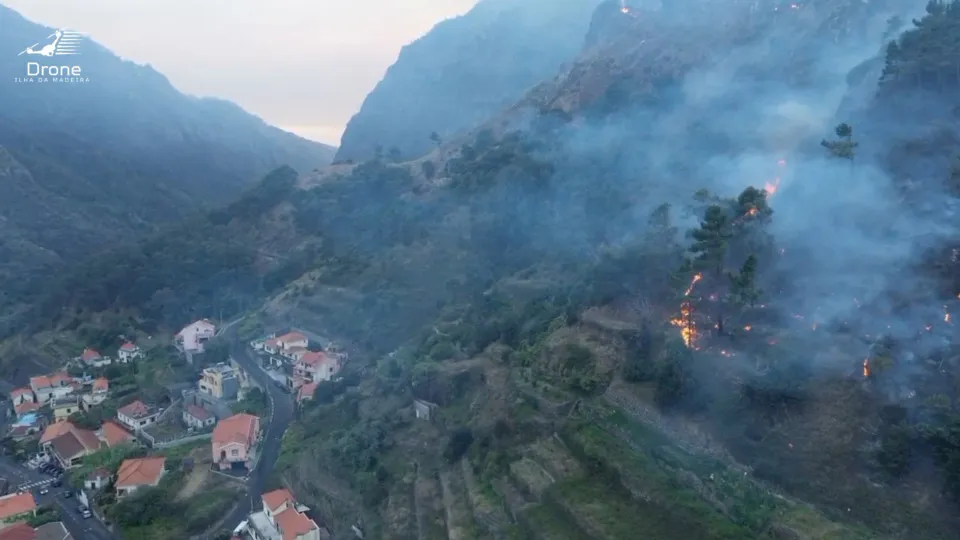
pixel 196 479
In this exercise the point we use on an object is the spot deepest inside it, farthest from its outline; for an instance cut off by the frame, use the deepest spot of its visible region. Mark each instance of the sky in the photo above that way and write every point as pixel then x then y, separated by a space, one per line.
pixel 302 65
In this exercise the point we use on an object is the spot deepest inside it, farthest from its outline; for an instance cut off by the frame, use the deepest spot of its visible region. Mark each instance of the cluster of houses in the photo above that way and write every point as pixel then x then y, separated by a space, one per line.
pixel 58 393
pixel 307 366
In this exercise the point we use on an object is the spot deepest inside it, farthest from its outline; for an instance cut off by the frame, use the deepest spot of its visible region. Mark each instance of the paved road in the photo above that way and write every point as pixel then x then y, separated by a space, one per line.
pixel 281 414
pixel 80 529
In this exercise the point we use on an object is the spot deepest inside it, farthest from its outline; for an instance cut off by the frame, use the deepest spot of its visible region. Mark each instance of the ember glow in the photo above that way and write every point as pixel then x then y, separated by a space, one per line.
pixel 623 7
pixel 866 367
pixel 688 327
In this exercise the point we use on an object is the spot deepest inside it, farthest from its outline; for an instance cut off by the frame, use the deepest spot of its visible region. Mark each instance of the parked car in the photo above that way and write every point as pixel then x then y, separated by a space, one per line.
pixel 57 483
pixel 67 494
pixel 86 514
pixel 81 508
pixel 44 490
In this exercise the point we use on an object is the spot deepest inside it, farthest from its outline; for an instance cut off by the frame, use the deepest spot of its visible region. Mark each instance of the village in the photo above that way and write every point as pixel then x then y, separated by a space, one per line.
pixel 167 418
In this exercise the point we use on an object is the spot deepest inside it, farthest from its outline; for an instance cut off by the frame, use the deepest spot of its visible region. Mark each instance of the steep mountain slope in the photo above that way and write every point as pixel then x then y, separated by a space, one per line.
pixel 91 164
pixel 464 70
pixel 770 354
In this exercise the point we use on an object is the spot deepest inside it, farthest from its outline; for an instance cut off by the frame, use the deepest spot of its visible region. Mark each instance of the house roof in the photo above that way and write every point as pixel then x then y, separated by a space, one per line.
pixel 295 350
pixel 128 346
pixel 26 407
pixel 75 442
pixel 239 428
pixel 314 358
pixel 113 434
pixel 89 355
pixel 306 391
pixel 17 392
pixel 270 342
pixel 53 531
pixel 293 524
pixel 277 497
pixel 198 412
pixel 137 409
pixel 55 430
pixel 40 381
pixel 291 337
pixel 60 379
pixel 202 323
pixel 19 531
pixel 140 471
pixel 16 504
pixel 101 385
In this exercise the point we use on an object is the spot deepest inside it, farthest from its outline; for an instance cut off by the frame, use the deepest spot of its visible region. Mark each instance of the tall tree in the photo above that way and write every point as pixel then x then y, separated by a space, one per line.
pixel 844 146
pixel 743 286
pixel 711 241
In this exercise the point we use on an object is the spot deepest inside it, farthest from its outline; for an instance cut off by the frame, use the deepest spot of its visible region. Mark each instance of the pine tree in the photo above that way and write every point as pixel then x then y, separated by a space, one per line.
pixel 711 241
pixel 743 287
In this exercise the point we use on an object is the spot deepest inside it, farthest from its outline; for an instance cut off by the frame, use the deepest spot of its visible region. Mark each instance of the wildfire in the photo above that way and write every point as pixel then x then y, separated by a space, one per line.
pixel 771 187
pixel 696 278
pixel 688 327
pixel 623 7
pixel 866 367
pixel 747 328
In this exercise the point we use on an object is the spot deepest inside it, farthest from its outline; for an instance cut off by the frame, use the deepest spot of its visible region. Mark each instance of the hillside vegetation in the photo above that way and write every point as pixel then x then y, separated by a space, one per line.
pixel 105 162
pixel 695 304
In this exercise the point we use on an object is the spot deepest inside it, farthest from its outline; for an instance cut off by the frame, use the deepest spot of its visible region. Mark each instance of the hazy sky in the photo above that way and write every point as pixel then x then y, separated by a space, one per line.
pixel 303 65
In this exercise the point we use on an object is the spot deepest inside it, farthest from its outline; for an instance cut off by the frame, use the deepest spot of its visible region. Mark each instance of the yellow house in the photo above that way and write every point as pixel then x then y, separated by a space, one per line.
pixel 64 407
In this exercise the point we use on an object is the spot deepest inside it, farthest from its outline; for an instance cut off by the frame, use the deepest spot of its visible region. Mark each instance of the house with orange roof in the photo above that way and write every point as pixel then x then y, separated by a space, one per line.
pixel 93 358
pixel 138 473
pixel 282 517
pixel 99 391
pixel 53 431
pixel 234 441
pixel 47 387
pixel 137 415
pixel 22 531
pixel 306 391
pixel 128 352
pixel 22 395
pixel 17 506
pixel 315 367
pixel 113 434
pixel 71 447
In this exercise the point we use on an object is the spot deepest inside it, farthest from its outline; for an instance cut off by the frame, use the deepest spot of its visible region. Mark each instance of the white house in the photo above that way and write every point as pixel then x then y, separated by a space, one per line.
pixel 316 366
pixel 128 351
pixel 282 517
pixel 137 415
pixel 49 387
pixel 293 340
pixel 193 336
pixel 197 417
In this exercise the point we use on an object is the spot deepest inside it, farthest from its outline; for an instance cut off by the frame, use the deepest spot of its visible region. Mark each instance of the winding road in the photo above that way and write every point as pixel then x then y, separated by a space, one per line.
pixel 281 414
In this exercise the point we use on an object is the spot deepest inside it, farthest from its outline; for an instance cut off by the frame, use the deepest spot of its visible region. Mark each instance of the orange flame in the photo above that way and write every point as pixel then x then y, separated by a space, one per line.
pixel 696 278
pixel 866 367
pixel 771 188
pixel 688 328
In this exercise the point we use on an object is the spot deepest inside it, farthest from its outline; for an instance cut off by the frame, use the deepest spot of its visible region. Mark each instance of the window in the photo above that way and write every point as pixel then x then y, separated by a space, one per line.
pixel 143 422
pixel 234 452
